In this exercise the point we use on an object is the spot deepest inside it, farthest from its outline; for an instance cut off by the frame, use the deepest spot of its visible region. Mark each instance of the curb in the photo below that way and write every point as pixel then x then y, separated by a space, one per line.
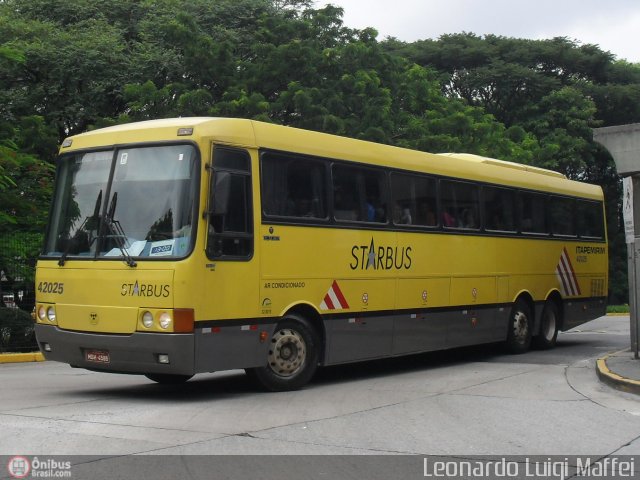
pixel 613 379
pixel 21 357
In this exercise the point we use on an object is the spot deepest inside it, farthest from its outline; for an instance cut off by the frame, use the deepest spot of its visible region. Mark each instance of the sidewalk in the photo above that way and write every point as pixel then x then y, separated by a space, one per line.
pixel 620 370
pixel 21 357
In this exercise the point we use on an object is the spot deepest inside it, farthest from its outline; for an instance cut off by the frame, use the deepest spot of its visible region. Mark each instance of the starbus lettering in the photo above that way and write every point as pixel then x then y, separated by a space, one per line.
pixel 367 257
pixel 144 290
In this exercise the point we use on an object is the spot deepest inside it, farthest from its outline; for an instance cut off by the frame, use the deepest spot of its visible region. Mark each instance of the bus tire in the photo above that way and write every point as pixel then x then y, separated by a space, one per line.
pixel 292 358
pixel 519 331
pixel 549 322
pixel 167 378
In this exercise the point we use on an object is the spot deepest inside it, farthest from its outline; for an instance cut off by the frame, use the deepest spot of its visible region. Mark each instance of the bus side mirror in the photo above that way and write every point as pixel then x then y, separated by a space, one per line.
pixel 221 193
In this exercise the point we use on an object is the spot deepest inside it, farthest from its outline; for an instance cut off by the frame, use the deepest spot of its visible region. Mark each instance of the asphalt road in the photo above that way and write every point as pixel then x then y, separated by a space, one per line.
pixel 473 401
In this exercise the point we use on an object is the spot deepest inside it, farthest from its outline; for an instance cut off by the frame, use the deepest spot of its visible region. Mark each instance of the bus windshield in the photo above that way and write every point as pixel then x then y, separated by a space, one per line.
pixel 124 203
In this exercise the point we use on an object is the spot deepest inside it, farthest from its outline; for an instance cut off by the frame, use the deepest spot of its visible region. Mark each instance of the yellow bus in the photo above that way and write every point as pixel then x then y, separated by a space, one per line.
pixel 191 245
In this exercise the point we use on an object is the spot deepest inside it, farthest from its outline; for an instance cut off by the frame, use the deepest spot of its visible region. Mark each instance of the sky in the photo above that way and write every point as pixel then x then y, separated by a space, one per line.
pixel 614 25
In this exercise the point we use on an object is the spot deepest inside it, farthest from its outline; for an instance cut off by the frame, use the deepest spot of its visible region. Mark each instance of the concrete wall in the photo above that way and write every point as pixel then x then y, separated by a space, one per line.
pixel 623 141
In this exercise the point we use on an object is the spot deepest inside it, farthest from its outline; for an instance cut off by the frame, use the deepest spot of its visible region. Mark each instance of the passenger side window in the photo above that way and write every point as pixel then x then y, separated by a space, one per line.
pixel 460 205
pixel 230 233
pixel 359 194
pixel 414 200
pixel 562 212
pixel 499 209
pixel 590 219
pixel 293 186
pixel 533 213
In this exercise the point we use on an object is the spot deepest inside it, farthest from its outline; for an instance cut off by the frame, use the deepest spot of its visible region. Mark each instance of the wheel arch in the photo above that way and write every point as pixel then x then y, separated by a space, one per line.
pixel 525 296
pixel 555 297
pixel 311 315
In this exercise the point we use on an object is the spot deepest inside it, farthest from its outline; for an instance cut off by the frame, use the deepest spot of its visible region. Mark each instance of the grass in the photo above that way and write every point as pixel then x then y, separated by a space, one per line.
pixel 618 309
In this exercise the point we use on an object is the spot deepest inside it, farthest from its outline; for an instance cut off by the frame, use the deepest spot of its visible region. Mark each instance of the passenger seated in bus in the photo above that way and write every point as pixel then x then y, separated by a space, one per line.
pixel 371 210
pixel 303 208
pixel 425 215
pixel 401 216
pixel 345 206
pixel 448 220
pixel 468 219
pixel 499 221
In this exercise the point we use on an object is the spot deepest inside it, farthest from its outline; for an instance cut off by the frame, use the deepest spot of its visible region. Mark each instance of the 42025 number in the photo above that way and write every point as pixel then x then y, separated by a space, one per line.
pixel 51 287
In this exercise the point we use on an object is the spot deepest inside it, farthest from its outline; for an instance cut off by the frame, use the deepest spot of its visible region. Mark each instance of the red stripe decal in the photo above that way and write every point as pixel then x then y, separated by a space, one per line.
pixel 338 292
pixel 573 273
pixel 327 300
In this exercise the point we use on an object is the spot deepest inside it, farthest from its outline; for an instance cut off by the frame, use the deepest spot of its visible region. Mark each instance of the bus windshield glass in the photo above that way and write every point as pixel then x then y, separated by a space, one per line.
pixel 144 209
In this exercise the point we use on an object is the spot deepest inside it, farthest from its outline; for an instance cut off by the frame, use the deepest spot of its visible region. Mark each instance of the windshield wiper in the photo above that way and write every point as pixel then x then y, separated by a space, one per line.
pixel 117 233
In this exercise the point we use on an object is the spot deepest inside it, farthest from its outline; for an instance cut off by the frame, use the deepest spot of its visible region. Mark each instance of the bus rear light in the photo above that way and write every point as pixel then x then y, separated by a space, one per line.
pixel 183 320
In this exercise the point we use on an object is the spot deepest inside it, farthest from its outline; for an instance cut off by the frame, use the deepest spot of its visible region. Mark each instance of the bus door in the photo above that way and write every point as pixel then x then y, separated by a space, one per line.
pixel 231 266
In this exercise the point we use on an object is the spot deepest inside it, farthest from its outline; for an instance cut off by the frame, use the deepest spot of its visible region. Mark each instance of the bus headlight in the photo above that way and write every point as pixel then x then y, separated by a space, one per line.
pixel 51 314
pixel 42 313
pixel 147 319
pixel 164 320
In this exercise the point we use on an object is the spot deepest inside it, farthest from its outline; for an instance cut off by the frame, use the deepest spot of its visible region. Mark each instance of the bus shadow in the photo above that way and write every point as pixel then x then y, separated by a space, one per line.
pixel 568 350
pixel 226 385
pixel 406 364
pixel 201 387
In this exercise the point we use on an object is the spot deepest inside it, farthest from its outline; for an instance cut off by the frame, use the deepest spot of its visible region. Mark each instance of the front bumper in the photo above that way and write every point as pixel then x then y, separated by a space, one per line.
pixel 134 353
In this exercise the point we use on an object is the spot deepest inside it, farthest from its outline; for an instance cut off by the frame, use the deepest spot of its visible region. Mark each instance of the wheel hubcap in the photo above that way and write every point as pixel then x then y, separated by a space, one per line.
pixel 520 327
pixel 287 353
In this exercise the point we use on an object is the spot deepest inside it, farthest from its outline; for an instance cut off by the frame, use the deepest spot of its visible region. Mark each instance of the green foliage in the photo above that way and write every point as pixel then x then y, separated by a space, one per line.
pixel 19 249
pixel 5 182
pixel 17 333
pixel 618 309
pixel 73 65
pixel 25 201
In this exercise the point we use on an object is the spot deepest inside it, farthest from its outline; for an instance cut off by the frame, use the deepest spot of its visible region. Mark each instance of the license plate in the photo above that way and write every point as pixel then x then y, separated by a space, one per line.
pixel 97 356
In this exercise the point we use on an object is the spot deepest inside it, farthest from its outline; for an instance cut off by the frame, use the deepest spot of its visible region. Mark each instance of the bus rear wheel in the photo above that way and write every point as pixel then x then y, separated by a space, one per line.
pixel 519 332
pixel 292 358
pixel 548 335
pixel 167 378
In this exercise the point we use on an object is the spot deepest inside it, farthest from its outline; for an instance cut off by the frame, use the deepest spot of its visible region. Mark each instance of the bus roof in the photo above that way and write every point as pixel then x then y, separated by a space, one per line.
pixel 251 133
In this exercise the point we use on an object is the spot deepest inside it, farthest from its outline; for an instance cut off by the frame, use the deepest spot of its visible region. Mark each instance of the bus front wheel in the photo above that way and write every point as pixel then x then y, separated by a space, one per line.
pixel 519 332
pixel 292 357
